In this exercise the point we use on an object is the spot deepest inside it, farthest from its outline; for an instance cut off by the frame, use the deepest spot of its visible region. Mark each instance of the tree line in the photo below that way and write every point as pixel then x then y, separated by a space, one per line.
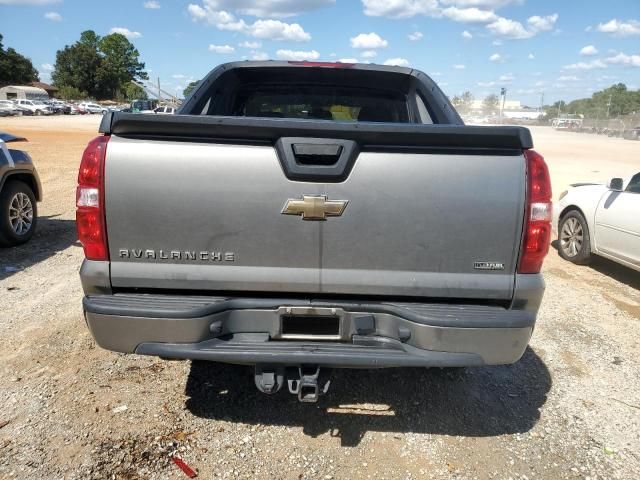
pixel 464 102
pixel 612 102
pixel 96 67
pixel 15 69
pixel 99 67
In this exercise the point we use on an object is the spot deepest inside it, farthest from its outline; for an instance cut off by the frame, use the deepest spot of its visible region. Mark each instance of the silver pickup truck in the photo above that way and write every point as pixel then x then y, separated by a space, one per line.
pixel 296 216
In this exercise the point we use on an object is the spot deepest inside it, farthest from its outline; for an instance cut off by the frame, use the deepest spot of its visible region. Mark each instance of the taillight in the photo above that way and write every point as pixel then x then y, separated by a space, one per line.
pixel 90 217
pixel 537 227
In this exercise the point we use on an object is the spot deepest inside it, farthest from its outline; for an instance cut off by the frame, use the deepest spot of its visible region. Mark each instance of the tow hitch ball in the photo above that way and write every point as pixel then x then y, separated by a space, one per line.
pixel 308 383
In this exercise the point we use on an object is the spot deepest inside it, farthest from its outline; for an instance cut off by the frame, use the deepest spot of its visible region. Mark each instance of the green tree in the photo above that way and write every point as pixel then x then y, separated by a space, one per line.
pixel 189 88
pixel 133 91
pixel 102 67
pixel 66 92
pixel 490 104
pixel 615 101
pixel 120 65
pixel 463 103
pixel 15 69
pixel 76 65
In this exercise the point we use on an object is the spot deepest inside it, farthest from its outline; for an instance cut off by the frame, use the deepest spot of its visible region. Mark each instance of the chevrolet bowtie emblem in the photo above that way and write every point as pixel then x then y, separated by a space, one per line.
pixel 314 207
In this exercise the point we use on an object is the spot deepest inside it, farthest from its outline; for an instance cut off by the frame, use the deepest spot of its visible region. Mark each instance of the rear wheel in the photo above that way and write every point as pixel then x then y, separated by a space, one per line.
pixel 574 241
pixel 18 214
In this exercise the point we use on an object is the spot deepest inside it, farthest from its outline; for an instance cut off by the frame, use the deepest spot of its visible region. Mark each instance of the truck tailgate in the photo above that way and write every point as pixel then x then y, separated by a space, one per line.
pixel 206 215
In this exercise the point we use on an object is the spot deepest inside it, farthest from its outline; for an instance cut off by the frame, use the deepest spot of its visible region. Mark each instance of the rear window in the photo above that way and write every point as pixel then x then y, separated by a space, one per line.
pixel 322 103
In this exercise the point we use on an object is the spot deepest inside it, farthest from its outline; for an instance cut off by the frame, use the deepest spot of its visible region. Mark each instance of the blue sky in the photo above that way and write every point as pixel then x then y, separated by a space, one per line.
pixel 564 48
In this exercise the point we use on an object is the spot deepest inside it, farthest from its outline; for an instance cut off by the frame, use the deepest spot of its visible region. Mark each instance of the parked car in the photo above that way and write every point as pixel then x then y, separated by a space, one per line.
pixel 35 107
pixel 60 107
pixel 20 190
pixel 7 107
pixel 165 110
pixel 272 232
pixel 92 108
pixel 632 134
pixel 599 219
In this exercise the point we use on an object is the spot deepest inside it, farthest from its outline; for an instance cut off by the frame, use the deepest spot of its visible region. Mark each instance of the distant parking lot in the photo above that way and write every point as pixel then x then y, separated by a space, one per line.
pixel 569 409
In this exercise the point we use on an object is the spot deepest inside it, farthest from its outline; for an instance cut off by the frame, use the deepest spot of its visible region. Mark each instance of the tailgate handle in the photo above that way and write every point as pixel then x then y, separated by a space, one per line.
pixel 316 159
pixel 316 153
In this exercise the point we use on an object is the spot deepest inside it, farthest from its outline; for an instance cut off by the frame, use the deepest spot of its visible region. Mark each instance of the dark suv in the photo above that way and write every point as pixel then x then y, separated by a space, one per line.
pixel 20 189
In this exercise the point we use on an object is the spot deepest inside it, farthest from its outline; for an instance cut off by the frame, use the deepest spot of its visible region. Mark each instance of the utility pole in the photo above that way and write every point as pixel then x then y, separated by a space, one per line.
pixel 559 105
pixel 541 100
pixel 503 94
pixel 609 105
pixel 159 97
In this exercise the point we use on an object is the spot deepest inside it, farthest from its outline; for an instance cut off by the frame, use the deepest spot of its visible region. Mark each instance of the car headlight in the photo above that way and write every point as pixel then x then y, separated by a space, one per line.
pixel 563 194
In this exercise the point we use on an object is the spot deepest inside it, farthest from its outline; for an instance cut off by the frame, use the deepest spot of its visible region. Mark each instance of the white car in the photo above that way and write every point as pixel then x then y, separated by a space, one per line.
pixel 601 219
pixel 92 107
pixel 165 110
pixel 36 107
pixel 7 107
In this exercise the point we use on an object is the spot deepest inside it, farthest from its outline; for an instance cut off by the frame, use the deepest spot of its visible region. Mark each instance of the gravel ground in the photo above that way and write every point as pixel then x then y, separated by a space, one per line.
pixel 569 409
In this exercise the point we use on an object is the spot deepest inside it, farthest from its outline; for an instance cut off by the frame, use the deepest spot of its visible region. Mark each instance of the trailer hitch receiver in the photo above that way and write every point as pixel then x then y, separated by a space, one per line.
pixel 307 382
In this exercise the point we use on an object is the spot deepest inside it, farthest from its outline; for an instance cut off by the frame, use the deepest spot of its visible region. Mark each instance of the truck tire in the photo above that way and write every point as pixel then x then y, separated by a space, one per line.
pixel 574 242
pixel 18 214
pixel 38 113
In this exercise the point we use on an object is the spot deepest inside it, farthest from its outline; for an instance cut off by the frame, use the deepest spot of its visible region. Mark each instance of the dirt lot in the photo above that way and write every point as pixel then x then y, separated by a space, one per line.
pixel 569 409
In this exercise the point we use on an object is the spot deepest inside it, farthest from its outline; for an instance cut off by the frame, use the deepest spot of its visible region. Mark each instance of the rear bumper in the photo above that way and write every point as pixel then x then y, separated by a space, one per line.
pixel 249 331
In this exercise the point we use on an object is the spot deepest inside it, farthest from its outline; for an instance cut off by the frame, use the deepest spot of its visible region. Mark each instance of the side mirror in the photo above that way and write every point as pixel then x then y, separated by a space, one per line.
pixel 615 184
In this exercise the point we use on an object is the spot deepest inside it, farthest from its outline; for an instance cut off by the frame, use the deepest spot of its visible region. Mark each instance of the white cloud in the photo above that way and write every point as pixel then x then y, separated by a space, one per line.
pixel 568 78
pixel 415 36
pixel 348 60
pixel 299 55
pixel 589 50
pixel 459 66
pixel 531 56
pixel 411 8
pixel 496 58
pixel 467 35
pixel 623 59
pixel 542 24
pixel 263 29
pixel 178 76
pixel 151 4
pixel 496 43
pixel 369 41
pixel 619 28
pixel 369 54
pixel 508 78
pixel 400 8
pixel 486 84
pixel 504 27
pixel 469 15
pixel 224 49
pixel 53 16
pixel 46 67
pixel 585 65
pixel 250 45
pixel 28 2
pixel 126 32
pixel 398 62
pixel 491 4
pixel 260 56
pixel 266 8
pixel 277 30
